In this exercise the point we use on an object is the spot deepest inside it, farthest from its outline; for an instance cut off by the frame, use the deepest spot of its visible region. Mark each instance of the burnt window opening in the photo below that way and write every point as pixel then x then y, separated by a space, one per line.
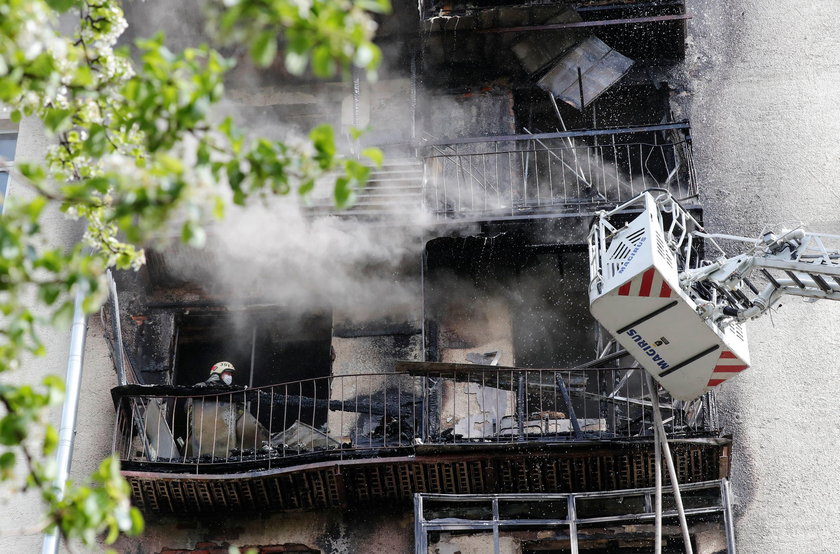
pixel 519 43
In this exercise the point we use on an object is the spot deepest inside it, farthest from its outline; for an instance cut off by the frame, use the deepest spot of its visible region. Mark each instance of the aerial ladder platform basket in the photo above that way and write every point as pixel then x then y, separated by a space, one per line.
pixel 635 294
pixel 681 312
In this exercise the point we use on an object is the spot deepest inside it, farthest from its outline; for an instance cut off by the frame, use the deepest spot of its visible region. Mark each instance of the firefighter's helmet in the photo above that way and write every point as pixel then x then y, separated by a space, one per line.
pixel 220 367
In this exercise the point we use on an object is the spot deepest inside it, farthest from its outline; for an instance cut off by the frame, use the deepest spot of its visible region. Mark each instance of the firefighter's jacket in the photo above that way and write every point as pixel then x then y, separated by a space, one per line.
pixel 219 423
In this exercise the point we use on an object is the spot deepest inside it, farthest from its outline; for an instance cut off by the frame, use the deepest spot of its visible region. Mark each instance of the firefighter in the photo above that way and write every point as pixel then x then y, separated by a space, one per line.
pixel 220 423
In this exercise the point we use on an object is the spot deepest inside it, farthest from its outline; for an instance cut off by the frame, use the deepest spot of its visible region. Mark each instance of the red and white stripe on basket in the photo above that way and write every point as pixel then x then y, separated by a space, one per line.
pixel 728 366
pixel 650 283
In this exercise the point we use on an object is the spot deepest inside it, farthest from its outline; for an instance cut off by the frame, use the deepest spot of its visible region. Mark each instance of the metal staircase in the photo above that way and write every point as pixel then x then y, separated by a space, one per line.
pixel 395 189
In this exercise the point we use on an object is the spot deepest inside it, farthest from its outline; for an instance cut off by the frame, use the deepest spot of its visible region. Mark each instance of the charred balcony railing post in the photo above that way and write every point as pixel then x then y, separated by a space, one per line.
pixel 433 397
pixel 520 405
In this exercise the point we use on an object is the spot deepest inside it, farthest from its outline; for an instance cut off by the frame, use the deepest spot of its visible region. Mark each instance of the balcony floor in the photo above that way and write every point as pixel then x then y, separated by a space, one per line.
pixel 342 481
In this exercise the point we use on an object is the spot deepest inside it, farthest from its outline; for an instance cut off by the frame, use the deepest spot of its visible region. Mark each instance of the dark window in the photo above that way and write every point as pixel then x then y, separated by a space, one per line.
pixel 4 185
pixel 8 142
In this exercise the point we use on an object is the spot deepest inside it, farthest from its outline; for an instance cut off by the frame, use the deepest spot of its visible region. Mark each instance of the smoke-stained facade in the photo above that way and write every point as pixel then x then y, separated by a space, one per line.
pixel 435 339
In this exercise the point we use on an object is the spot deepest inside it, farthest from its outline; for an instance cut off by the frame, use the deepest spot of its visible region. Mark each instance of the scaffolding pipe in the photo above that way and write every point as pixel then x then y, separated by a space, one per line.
pixel 669 461
pixel 67 431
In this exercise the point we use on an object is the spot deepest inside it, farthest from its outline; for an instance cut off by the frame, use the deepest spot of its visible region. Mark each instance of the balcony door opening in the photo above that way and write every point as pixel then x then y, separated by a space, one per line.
pixel 507 300
pixel 504 294
pixel 288 356
pixel 265 348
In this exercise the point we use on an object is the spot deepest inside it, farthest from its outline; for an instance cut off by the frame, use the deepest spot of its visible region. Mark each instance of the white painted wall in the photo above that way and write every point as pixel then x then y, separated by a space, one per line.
pixel 23 511
pixel 764 78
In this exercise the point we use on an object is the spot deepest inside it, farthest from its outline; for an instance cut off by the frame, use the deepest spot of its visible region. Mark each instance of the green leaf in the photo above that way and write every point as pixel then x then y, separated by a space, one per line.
pixel 48 292
pixel 57 119
pixel 7 464
pixel 33 209
pixel 61 5
pixel 12 429
pixel 343 193
pixel 356 171
pixel 83 76
pixel 375 155
pixel 323 139
pixel 15 116
pixel 322 61
pixel 192 234
pixel 202 154
pixel 219 207
pixel 55 389
pixel 97 141
pixel 51 260
pixel 63 316
pixel 306 187
pixel 171 164
pixel 50 440
pixel 137 523
pixel 264 48
pixel 375 6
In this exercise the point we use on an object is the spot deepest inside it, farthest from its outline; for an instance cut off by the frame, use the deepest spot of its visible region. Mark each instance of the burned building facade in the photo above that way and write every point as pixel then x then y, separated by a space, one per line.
pixel 420 372
pixel 473 387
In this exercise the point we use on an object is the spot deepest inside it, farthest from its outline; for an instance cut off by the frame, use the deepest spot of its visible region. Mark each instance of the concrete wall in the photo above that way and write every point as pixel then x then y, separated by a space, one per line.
pixel 763 80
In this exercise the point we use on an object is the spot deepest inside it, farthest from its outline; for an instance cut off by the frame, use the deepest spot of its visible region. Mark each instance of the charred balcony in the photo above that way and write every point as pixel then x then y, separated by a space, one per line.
pixel 523 38
pixel 439 428
pixel 555 174
pixel 443 8
pixel 527 176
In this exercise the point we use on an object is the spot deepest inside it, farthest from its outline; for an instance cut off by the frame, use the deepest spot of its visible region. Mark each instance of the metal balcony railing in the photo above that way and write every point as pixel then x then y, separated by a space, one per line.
pixel 449 8
pixel 433 8
pixel 555 173
pixel 494 514
pixel 385 414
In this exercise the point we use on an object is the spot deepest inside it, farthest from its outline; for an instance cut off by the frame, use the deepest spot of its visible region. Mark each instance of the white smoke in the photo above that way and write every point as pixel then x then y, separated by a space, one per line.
pixel 274 253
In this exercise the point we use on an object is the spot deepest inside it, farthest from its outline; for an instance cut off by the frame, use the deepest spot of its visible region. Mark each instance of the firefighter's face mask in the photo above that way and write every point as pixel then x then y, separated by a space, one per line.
pixel 227 378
